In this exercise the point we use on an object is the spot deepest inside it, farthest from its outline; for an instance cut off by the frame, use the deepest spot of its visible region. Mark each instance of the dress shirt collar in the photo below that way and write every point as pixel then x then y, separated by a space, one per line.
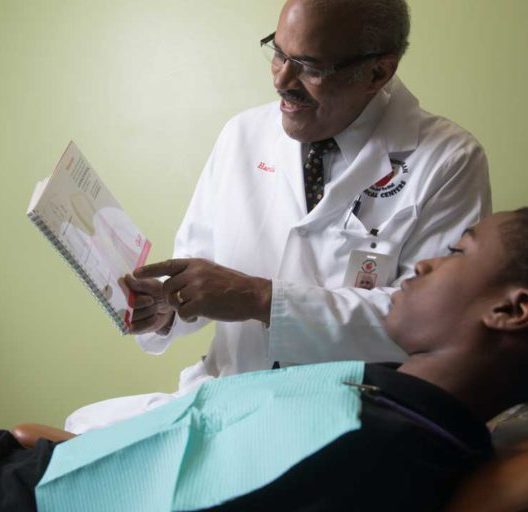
pixel 355 136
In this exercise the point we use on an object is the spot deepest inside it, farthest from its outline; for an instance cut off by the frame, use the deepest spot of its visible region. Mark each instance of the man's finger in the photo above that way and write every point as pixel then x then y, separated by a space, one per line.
pixel 187 312
pixel 141 285
pixel 144 313
pixel 163 268
pixel 124 288
pixel 173 284
pixel 190 320
pixel 149 324
pixel 139 300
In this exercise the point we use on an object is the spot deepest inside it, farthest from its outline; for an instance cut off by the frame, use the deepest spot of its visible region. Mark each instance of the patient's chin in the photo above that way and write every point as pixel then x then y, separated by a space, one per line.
pixel 392 328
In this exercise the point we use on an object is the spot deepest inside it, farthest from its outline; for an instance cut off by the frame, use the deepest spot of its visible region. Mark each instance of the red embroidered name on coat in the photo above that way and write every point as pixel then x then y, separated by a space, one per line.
pixel 266 168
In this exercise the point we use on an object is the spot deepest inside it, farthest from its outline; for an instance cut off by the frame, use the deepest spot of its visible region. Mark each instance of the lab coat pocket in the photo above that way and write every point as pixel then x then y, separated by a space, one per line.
pixel 374 255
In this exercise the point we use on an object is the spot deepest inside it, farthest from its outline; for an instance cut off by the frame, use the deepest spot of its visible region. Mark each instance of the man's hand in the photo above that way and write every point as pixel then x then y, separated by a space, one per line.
pixel 151 310
pixel 197 287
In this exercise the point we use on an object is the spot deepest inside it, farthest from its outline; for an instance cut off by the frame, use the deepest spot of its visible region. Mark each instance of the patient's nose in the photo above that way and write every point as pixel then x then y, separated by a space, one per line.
pixel 423 267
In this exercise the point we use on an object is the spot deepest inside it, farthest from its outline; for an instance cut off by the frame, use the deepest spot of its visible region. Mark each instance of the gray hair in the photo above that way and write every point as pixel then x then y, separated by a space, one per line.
pixel 385 25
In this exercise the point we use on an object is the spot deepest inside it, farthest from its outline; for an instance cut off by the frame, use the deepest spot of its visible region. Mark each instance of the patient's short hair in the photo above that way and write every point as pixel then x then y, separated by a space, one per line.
pixel 514 234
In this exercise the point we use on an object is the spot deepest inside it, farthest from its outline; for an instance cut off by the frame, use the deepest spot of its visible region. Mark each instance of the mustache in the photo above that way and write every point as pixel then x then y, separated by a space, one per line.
pixel 296 97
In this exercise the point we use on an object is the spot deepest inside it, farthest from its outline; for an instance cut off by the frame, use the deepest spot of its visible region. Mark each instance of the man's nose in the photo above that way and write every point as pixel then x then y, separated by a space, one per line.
pixel 286 76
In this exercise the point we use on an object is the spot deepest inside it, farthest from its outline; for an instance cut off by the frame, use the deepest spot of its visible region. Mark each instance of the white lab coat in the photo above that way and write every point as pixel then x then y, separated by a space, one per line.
pixel 249 213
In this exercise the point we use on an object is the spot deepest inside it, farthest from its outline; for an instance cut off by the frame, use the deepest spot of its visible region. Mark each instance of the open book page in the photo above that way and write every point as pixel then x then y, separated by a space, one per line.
pixel 90 226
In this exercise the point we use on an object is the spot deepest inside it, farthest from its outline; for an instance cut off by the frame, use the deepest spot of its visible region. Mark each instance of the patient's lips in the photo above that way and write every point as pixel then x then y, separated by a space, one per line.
pixel 406 283
pixel 403 287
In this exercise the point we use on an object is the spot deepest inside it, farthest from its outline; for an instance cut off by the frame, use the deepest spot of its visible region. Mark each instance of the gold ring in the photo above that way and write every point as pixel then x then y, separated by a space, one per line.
pixel 179 297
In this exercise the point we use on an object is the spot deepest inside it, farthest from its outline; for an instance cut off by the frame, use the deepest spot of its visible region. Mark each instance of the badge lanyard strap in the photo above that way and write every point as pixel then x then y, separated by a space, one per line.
pixel 372 392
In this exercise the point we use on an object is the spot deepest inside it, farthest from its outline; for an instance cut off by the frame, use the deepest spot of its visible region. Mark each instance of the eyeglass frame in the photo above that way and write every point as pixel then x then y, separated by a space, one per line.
pixel 324 73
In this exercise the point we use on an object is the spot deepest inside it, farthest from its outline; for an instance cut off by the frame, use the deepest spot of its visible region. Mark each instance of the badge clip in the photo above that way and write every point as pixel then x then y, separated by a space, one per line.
pixel 363 388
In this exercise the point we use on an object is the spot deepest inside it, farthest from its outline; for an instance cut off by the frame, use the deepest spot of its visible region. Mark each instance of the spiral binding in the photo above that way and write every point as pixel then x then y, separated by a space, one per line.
pixel 79 270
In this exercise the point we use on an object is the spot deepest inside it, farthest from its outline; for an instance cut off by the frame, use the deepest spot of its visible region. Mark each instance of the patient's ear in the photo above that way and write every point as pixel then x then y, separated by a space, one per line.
pixel 511 313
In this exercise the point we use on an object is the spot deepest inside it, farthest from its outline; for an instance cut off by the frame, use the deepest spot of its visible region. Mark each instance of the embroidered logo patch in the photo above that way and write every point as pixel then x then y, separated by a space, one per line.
pixel 392 184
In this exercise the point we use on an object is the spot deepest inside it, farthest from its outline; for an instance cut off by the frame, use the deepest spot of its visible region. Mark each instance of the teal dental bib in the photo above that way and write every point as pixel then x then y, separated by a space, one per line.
pixel 231 436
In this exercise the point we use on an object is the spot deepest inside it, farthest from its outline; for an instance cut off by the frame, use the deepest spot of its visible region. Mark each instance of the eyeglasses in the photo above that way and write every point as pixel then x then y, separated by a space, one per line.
pixel 306 72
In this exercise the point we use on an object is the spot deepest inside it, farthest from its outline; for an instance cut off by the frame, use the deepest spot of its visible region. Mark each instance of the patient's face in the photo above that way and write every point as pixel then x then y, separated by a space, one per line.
pixel 449 295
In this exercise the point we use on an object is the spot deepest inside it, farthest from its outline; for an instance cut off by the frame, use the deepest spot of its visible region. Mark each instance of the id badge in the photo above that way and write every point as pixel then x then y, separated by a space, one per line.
pixel 367 270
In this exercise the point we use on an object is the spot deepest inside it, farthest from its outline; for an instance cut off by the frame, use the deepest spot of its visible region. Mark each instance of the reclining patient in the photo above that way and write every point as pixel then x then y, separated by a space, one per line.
pixel 328 437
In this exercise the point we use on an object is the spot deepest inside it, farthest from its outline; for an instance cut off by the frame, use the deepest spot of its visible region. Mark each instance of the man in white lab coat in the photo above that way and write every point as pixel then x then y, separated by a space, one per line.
pixel 294 248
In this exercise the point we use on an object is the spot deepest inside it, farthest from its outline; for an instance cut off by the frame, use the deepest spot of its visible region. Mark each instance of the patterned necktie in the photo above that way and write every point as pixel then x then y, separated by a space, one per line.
pixel 314 172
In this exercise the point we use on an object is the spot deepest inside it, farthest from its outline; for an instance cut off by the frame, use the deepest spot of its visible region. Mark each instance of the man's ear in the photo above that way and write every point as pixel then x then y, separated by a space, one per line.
pixel 382 71
pixel 511 313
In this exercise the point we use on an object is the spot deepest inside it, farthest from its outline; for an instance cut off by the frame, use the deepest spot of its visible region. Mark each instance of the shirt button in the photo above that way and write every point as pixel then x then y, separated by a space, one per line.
pixel 373 245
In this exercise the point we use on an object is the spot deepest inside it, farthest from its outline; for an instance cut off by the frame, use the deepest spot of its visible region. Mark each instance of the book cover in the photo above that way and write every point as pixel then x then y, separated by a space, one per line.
pixel 78 214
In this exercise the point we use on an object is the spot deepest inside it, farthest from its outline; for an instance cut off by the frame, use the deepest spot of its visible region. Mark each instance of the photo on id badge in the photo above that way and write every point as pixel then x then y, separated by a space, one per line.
pixel 367 270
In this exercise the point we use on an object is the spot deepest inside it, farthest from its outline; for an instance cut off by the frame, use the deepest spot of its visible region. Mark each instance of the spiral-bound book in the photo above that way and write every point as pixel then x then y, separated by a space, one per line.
pixel 81 218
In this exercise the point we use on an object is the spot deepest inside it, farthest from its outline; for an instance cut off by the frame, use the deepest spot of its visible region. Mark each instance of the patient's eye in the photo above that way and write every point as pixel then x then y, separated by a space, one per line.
pixel 455 250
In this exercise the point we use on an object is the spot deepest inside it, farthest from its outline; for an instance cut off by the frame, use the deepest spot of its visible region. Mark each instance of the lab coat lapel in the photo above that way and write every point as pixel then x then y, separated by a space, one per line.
pixel 290 165
pixel 372 164
pixel 397 132
pixel 401 126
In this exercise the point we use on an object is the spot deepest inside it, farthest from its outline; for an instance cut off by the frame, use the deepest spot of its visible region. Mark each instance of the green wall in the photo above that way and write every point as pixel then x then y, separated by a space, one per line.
pixel 144 88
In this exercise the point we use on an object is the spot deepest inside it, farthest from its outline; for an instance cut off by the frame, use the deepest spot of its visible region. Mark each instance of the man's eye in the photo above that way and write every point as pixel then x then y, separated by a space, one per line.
pixel 278 55
pixel 311 71
pixel 454 250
